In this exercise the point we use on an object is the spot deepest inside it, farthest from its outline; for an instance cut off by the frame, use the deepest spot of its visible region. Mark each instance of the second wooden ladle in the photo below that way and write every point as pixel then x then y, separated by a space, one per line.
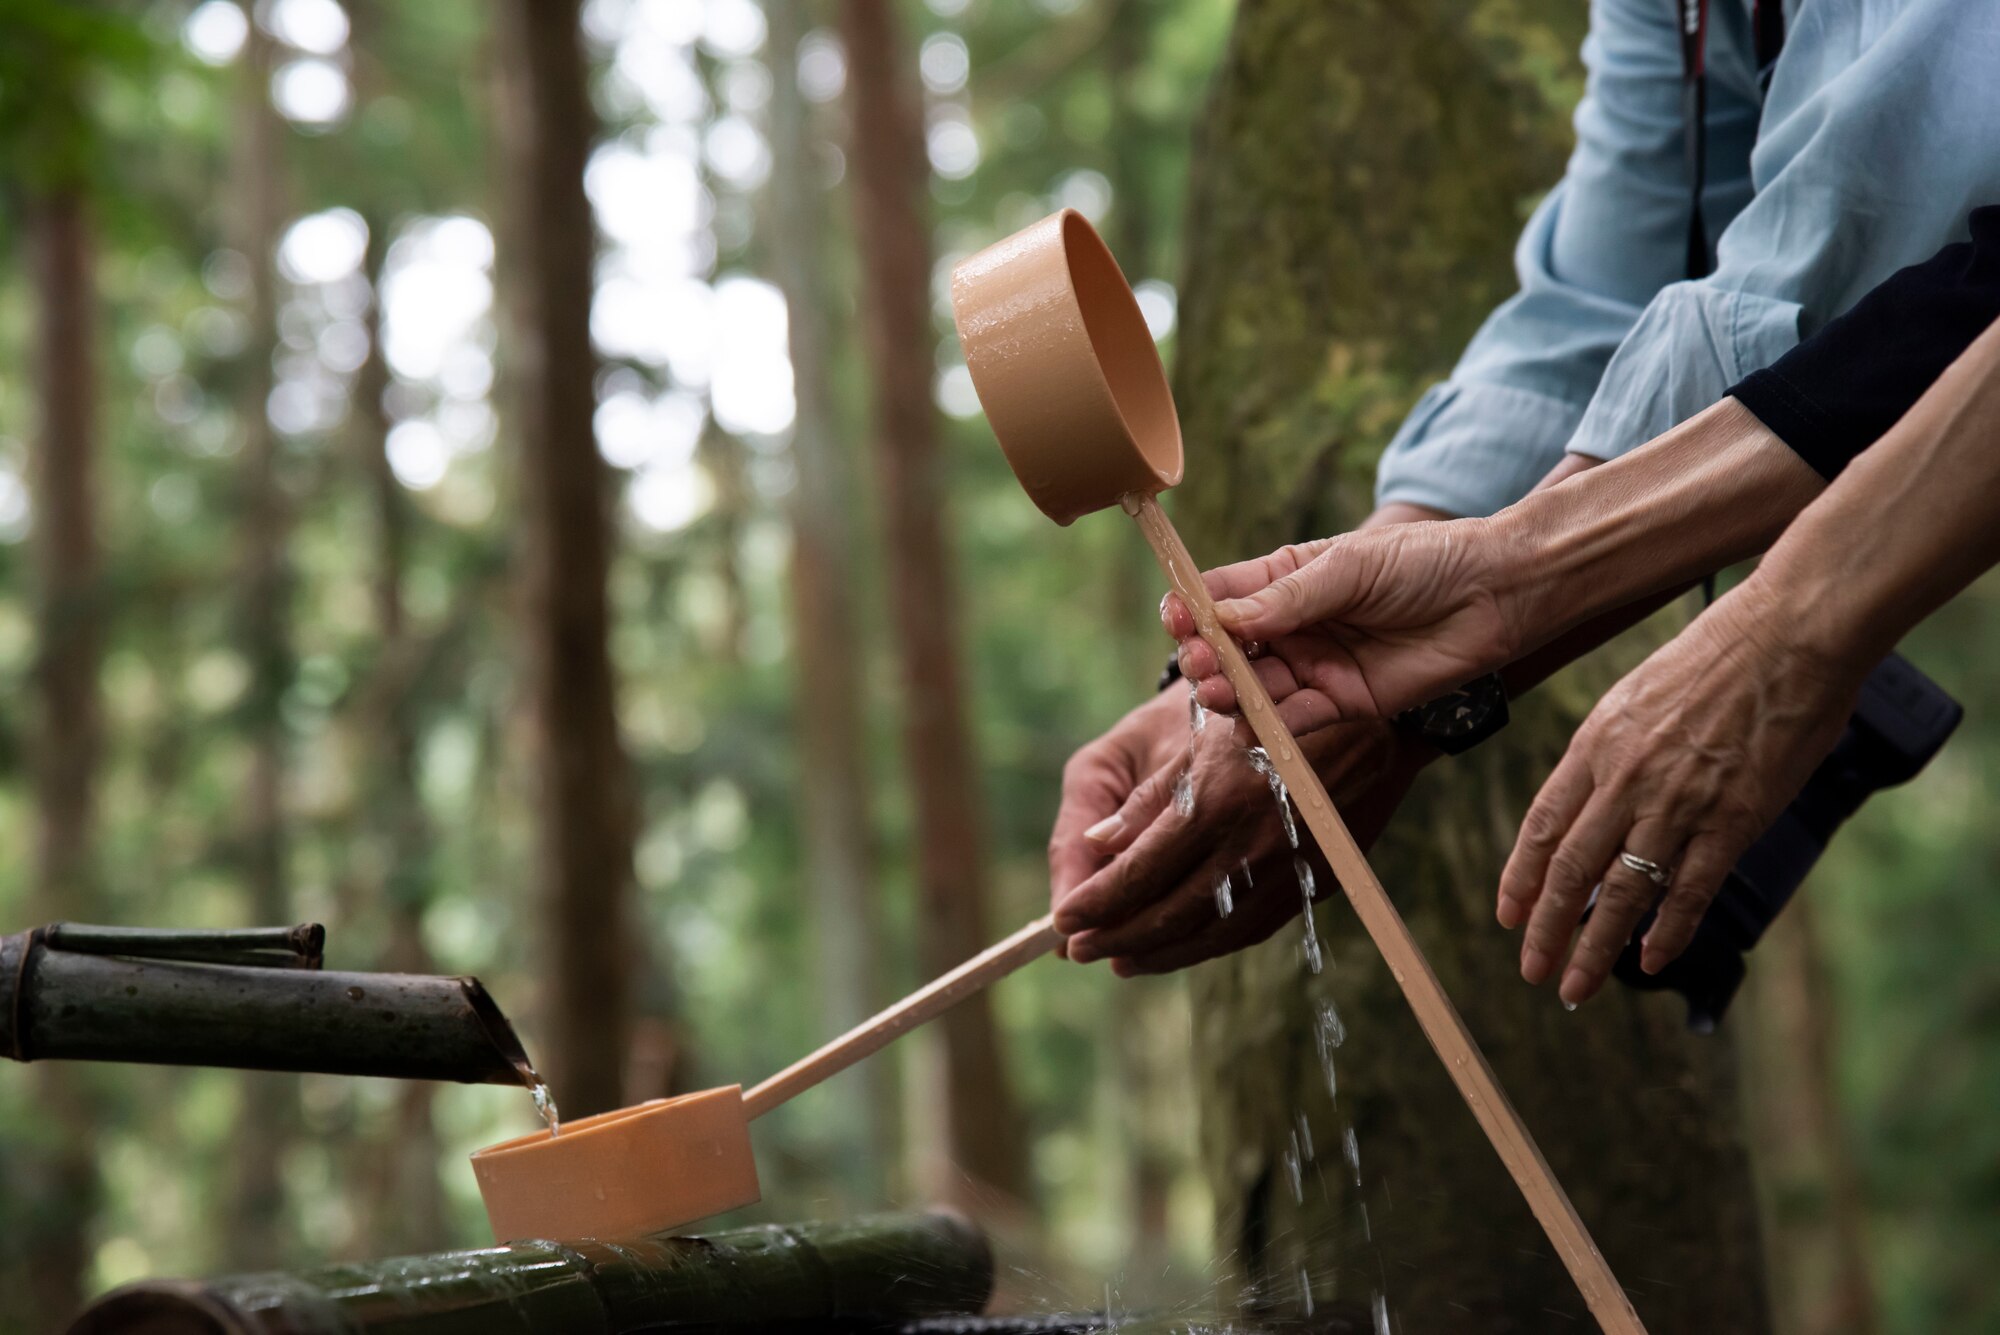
pixel 1074 390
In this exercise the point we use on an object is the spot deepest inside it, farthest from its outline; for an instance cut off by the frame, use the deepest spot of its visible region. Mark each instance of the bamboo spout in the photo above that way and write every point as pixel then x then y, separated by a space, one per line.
pixel 253 1000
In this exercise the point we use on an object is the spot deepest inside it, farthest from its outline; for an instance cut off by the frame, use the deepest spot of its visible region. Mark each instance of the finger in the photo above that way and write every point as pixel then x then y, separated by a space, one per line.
pixel 1577 865
pixel 1157 861
pixel 1174 615
pixel 1319 590
pixel 1264 904
pixel 1093 785
pixel 1216 694
pixel 1704 867
pixel 1246 577
pixel 1622 900
pixel 1115 833
pixel 1549 817
pixel 1189 907
pixel 1307 710
pixel 1197 659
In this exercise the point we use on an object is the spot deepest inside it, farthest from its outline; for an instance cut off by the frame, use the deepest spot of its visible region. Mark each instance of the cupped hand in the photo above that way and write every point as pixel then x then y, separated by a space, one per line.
pixel 1148 901
pixel 1362 625
pixel 1684 764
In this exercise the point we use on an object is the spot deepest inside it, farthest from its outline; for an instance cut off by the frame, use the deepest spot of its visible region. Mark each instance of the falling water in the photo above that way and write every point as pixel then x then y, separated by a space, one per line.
pixel 1315 961
pixel 1381 1314
pixel 545 1105
pixel 1260 760
pixel 1352 1149
pixel 1225 897
pixel 1295 1171
pixel 1184 781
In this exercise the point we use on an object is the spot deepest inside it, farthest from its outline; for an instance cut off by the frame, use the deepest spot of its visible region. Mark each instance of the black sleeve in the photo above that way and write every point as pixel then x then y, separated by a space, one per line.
pixel 1835 394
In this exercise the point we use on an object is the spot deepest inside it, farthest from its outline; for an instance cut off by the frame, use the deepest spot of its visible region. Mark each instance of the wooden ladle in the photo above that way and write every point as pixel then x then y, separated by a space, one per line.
pixel 660 1165
pixel 1074 390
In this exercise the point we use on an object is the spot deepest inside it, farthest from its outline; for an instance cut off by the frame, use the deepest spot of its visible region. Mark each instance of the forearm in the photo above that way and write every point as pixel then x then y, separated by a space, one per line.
pixel 1907 525
pixel 1716 489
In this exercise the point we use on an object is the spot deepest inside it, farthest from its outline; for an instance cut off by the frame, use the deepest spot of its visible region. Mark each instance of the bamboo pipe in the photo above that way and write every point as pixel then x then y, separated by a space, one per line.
pixel 871 1273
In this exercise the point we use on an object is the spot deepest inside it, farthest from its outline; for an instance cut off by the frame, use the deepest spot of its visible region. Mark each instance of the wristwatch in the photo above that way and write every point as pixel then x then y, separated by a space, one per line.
pixel 1459 720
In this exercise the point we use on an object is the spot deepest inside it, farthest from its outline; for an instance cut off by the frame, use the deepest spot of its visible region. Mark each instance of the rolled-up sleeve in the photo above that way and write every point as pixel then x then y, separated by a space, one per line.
pixel 1595 252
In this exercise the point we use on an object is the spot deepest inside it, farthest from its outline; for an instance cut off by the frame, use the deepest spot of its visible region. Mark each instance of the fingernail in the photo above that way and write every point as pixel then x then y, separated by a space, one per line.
pixel 1650 960
pixel 1575 987
pixel 1508 912
pixel 1081 954
pixel 1535 966
pixel 1105 830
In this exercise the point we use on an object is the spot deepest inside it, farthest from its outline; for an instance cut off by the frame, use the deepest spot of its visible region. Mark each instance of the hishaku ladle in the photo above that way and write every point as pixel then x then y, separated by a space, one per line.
pixel 1074 390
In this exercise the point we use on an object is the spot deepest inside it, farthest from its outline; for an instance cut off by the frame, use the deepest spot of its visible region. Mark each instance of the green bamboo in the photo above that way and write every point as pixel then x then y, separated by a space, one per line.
pixel 60 1003
pixel 884 1268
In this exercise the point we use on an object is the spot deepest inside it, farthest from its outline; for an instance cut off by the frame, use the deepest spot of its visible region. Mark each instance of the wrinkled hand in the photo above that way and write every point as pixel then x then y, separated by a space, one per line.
pixel 1363 625
pixel 1685 763
pixel 1133 879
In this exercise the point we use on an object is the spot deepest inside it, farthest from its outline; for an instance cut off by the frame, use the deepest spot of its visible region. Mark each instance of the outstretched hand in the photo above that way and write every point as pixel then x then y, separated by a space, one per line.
pixel 1363 625
pixel 1683 763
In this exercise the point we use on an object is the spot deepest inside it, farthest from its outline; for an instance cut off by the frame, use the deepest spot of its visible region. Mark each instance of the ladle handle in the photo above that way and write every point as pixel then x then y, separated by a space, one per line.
pixel 989 966
pixel 1440 1019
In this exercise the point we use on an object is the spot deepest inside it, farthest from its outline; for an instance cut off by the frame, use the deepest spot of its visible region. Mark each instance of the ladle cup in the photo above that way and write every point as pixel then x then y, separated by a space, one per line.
pixel 1074 391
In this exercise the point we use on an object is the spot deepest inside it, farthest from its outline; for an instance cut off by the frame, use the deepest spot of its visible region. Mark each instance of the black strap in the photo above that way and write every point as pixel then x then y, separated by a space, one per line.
pixel 1767 26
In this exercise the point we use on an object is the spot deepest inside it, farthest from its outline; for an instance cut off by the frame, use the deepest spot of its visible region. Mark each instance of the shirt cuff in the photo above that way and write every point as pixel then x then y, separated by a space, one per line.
pixel 1473 447
pixel 1693 342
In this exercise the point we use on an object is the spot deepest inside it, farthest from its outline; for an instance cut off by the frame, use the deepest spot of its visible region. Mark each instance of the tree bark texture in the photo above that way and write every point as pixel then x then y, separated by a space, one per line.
pixel 584 798
pixel 835 812
pixel 269 1107
pixel 982 1133
pixel 1358 183
pixel 68 723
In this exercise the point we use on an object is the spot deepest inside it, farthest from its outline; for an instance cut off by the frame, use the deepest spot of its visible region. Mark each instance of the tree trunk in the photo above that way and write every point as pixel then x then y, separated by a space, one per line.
pixel 67 736
pixel 269 1101
pixel 982 1134
pixel 584 800
pixel 834 808
pixel 1357 186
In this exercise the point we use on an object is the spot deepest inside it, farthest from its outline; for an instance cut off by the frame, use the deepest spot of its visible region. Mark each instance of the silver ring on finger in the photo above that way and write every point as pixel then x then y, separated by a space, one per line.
pixel 1661 877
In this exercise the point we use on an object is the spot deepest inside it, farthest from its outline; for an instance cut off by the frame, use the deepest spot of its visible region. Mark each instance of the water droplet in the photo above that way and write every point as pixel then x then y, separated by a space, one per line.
pixel 1569 1005
pixel 1351 1148
pixel 1243 867
pixel 1225 901
pixel 1306 1290
pixel 1295 1171
pixel 1304 1136
pixel 1381 1314
pixel 1184 794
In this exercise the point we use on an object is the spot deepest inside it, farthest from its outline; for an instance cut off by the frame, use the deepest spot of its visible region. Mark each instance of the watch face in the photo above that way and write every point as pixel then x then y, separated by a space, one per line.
pixel 1462 712
pixel 1459 720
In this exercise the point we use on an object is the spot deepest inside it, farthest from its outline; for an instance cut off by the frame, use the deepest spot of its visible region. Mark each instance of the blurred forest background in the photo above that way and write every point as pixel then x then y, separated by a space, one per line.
pixel 316 603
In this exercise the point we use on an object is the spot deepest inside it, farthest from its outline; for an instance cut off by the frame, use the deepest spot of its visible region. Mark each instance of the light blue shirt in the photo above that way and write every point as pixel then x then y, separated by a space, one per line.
pixel 1880 134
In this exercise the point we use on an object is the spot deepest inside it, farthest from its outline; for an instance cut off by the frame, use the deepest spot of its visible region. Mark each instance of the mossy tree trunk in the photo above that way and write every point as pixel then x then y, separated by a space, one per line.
pixel 1361 174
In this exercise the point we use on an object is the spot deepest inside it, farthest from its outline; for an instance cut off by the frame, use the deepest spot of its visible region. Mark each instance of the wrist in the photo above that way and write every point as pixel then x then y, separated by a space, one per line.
pixel 1799 629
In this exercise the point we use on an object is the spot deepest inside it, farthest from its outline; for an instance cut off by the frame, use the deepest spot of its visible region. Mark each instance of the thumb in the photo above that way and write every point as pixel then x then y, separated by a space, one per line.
pixel 1320 590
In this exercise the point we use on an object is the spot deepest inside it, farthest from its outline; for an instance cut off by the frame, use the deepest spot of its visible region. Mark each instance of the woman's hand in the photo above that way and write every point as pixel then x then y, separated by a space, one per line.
pixel 1366 624
pixel 1683 764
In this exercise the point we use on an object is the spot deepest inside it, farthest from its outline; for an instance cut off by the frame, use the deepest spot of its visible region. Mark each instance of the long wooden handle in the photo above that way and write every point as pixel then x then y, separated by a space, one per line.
pixel 1440 1019
pixel 989 966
